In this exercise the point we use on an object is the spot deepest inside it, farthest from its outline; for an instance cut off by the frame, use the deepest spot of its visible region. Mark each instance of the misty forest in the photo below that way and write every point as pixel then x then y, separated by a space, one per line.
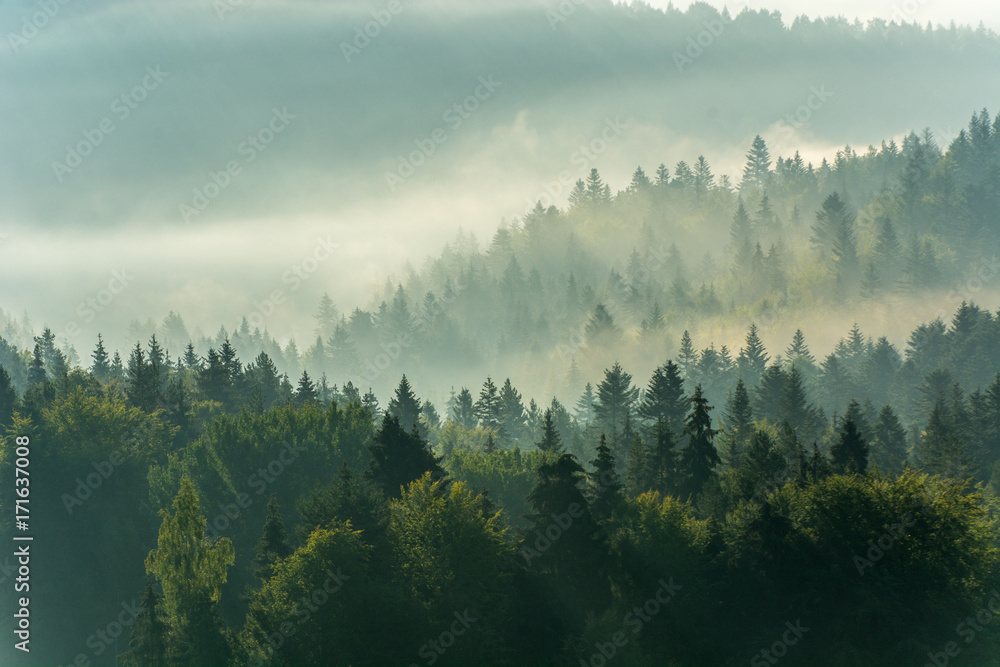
pixel 676 418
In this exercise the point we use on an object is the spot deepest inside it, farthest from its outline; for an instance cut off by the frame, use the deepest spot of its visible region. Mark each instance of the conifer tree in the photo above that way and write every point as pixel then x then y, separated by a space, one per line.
pixel 849 454
pixel 605 485
pixel 698 458
pixel 405 406
pixel 101 367
pixel 148 641
pixel 550 442
pixel 273 543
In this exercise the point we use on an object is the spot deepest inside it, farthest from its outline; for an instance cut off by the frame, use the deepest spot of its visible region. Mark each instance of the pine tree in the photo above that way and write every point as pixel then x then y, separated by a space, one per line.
pixel 704 180
pixel 686 356
pixel 663 460
pixel 615 399
pixel 768 396
pixel 798 350
pixel 273 543
pixel 326 316
pixel 305 393
pixel 662 176
pixel 941 450
pixel 664 397
pixel 400 456
pixel 757 172
pixel 8 397
pixel 405 406
pixel 737 424
pixel 698 458
pixel 487 408
pixel 640 182
pixel 36 367
pixel 761 468
pixel 753 358
pixel 605 485
pixel 794 407
pixel 370 403
pixel 575 551
pixel 191 359
pixel 742 228
pixel 101 369
pixel 462 411
pixel 148 642
pixel 550 442
pixel 849 454
pixel 601 328
pixel 888 446
pixel 584 411
pixel 512 416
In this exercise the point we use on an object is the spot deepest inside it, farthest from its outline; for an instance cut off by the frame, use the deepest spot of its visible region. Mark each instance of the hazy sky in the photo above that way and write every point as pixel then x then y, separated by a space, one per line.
pixel 227 151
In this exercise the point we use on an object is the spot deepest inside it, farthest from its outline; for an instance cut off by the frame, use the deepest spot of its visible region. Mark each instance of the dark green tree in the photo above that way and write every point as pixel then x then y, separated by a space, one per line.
pixel 698 458
pixel 273 543
pixel 400 456
pixel 148 642
pixel 605 486
pixel 849 454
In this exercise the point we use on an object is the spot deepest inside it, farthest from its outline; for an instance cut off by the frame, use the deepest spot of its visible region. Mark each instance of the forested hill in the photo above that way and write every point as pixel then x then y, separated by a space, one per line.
pixel 849 486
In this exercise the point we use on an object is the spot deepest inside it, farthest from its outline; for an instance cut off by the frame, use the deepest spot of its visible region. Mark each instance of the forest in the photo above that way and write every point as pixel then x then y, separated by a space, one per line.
pixel 242 503
pixel 676 413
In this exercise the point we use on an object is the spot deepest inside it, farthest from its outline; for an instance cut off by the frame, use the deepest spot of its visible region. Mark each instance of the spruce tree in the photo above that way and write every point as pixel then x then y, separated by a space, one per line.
pixel 8 397
pixel 605 485
pixel 849 454
pixel 148 641
pixel 400 456
pixel 487 408
pixel 550 442
pixel 101 368
pixel 273 543
pixel 698 458
pixel 405 406
pixel 305 393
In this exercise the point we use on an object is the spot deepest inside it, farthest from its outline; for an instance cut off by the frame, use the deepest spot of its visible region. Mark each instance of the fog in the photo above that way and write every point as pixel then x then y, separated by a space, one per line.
pixel 346 124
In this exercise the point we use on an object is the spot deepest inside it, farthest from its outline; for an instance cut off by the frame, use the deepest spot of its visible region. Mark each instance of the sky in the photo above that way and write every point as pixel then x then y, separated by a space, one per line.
pixel 247 156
